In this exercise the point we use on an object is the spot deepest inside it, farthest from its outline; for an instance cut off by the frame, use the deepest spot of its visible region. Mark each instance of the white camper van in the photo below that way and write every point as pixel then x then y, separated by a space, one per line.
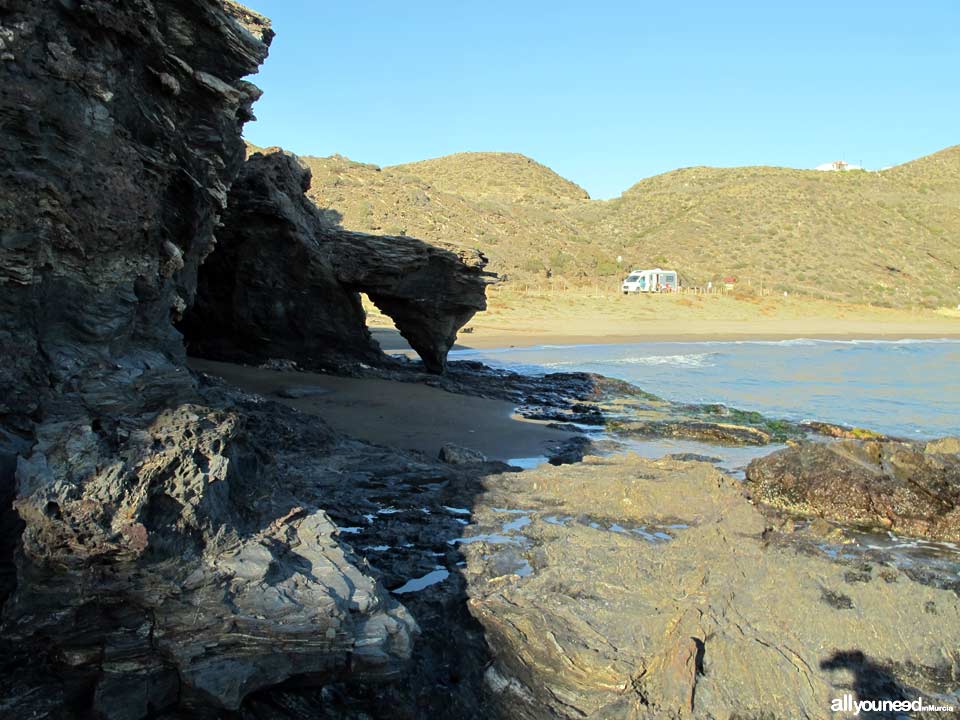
pixel 655 280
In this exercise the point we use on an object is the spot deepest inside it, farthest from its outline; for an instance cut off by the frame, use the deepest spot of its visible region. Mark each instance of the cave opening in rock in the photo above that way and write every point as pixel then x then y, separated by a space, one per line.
pixel 383 329
pixel 282 284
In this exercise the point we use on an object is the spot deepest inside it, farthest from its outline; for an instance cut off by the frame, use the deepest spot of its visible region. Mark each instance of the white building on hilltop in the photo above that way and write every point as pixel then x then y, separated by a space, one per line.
pixel 838 166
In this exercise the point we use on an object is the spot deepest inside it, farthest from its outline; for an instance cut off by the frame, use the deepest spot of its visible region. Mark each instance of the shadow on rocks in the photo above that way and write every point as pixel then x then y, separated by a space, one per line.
pixel 870 682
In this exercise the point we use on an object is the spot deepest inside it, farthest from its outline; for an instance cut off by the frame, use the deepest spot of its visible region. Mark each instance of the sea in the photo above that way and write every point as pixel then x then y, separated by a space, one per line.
pixel 905 388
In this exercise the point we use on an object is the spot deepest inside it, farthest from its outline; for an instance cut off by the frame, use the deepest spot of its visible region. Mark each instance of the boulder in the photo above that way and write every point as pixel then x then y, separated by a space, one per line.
pixel 284 282
pixel 193 562
pixel 457 455
pixel 908 488
pixel 570 451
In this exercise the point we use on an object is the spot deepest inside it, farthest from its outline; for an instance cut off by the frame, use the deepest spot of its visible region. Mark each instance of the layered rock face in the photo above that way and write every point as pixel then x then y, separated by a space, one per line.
pixel 284 283
pixel 428 291
pixel 909 488
pixel 121 135
pixel 169 549
pixel 186 562
pixel 625 588
pixel 269 289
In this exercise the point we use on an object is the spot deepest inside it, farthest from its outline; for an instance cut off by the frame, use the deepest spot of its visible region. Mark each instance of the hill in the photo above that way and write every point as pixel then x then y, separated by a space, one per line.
pixel 889 238
pixel 394 201
pixel 499 177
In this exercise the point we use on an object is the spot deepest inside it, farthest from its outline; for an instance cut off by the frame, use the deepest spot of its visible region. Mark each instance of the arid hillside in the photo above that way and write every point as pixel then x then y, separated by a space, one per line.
pixel 889 238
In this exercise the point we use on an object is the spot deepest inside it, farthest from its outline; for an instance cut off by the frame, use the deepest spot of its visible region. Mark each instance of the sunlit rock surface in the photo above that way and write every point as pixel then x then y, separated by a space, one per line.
pixel 909 488
pixel 630 588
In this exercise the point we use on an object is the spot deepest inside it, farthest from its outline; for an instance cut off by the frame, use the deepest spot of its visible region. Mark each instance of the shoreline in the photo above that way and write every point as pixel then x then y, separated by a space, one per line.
pixel 391 342
pixel 501 341
pixel 400 415
pixel 577 319
pixel 914 418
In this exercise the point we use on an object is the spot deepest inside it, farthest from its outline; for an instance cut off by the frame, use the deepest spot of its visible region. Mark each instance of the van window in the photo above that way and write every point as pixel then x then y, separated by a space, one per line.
pixel 643 281
pixel 632 278
pixel 670 279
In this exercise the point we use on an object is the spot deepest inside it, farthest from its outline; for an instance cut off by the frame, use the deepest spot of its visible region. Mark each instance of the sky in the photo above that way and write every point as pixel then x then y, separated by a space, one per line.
pixel 608 92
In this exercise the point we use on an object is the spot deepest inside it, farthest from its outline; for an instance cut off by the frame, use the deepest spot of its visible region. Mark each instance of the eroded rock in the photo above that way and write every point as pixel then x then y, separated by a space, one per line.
pixel 429 291
pixel 570 451
pixel 171 550
pixel 711 432
pixel 110 186
pixel 269 289
pixel 184 559
pixel 909 488
pixel 284 282
pixel 632 588
pixel 457 455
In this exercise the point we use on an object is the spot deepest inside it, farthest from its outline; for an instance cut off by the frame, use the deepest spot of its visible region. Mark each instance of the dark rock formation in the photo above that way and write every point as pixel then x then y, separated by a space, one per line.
pixel 165 554
pixel 457 455
pixel 120 137
pixel 193 561
pixel 284 283
pixel 910 488
pixel 711 432
pixel 694 457
pixel 571 451
pixel 429 292
pixel 268 290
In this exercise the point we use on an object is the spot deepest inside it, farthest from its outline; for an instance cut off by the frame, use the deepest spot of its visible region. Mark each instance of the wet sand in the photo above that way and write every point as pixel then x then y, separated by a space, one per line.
pixel 409 416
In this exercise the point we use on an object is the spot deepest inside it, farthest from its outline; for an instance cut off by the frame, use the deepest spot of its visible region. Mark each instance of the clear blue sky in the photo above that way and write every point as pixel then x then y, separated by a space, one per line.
pixel 608 92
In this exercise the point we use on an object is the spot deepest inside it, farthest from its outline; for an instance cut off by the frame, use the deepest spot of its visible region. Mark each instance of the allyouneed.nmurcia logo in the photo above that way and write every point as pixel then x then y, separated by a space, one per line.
pixel 849 704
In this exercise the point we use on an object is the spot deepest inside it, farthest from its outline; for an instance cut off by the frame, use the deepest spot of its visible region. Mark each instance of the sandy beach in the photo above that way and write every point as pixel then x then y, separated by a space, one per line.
pixel 408 416
pixel 580 318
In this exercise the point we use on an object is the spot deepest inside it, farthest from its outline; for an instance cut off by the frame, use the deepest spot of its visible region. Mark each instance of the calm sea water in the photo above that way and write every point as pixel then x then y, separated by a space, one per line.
pixel 909 388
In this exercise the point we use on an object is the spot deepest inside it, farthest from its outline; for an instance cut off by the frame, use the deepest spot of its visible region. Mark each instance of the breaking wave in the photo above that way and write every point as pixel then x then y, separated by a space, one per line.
pixel 688 360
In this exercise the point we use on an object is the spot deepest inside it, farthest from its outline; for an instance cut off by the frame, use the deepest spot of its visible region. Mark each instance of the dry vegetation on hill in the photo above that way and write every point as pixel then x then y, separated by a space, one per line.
pixel 888 238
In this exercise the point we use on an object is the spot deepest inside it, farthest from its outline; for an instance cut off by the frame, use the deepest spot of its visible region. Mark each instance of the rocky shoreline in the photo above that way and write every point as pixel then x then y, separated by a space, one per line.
pixel 427 551
pixel 172 546
pixel 633 588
